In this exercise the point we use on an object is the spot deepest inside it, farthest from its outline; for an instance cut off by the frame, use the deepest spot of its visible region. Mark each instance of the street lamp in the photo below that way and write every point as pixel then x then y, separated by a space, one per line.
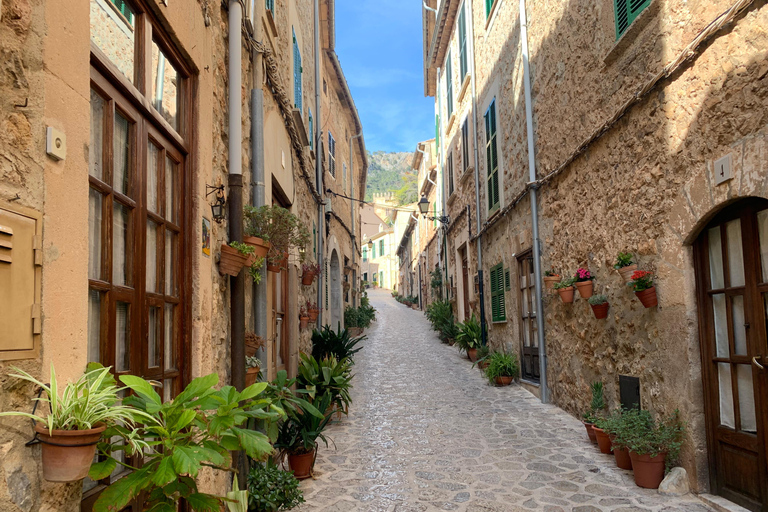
pixel 424 209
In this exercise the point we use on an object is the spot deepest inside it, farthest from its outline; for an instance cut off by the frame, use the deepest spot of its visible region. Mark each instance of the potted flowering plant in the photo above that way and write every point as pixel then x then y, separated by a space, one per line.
pixel 565 289
pixel 599 304
pixel 584 282
pixel 642 284
pixel 252 369
pixel 234 257
pixel 309 271
pixel 313 311
pixel 624 266
pixel 303 318
pixel 550 278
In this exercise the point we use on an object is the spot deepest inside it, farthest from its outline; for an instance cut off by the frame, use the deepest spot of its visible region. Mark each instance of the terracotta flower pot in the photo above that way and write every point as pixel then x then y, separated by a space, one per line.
pixel 549 282
pixel 251 375
pixel 307 278
pixel 623 460
pixel 502 380
pixel 600 310
pixel 649 471
pixel 590 432
pixel 626 272
pixel 566 294
pixel 303 321
pixel 648 297
pixel 585 288
pixel 355 331
pixel 472 354
pixel 415 307
pixel 301 464
pixel 68 454
pixel 231 261
pixel 261 248
pixel 603 441
pixel 313 314
pixel 483 365
pixel 277 263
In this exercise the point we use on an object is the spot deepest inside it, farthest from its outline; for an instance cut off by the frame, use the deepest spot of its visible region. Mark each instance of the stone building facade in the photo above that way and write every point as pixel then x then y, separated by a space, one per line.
pixel 379 262
pixel 108 222
pixel 649 134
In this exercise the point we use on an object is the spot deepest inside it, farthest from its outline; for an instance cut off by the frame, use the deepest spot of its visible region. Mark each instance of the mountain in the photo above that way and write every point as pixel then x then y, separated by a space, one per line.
pixel 391 172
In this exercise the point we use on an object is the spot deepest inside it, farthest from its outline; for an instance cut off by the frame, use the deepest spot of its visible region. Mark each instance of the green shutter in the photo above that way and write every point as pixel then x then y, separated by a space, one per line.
pixel 381 247
pixel 507 283
pixel 498 306
pixel 626 11
pixel 463 68
pixel 492 157
pixel 373 252
pixel 297 93
pixel 488 7
pixel 365 254
pixel 449 84
pixel 311 131
pixel 270 5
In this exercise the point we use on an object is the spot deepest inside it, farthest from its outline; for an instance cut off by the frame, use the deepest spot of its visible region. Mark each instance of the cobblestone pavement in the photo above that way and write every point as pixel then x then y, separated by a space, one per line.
pixel 425 432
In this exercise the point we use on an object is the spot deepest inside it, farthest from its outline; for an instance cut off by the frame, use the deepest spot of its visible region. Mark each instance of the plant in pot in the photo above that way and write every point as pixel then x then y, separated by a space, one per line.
pixel 340 344
pixel 596 405
pixel 440 315
pixel 254 269
pixel 271 489
pixel 642 284
pixel 599 304
pixel 313 311
pixel 256 229
pixel 234 257
pixel 602 435
pixel 625 266
pixel 654 446
pixel 327 376
pixel 199 428
pixel 502 368
pixel 77 419
pixel 253 343
pixel 550 278
pixel 584 282
pixel 565 289
pixel 282 229
pixel 309 271
pixel 303 318
pixel 298 435
pixel 614 427
pixel 469 337
pixel 482 357
pixel 252 369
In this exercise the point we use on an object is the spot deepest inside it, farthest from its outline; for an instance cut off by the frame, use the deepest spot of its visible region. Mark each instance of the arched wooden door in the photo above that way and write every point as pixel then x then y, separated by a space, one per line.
pixel 732 287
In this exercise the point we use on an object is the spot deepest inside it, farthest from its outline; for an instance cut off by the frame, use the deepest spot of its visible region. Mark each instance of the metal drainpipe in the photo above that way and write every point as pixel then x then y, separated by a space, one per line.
pixel 258 188
pixel 237 291
pixel 319 166
pixel 424 3
pixel 352 213
pixel 481 292
pixel 534 206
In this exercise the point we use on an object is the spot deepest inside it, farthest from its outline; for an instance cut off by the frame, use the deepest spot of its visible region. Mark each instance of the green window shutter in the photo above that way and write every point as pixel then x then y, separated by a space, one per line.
pixel 365 254
pixel 463 68
pixel 498 307
pixel 507 283
pixel 381 247
pixel 373 252
pixel 492 157
pixel 488 7
pixel 311 131
pixel 437 131
pixel 297 93
pixel 314 237
pixel 449 84
pixel 270 4
pixel 626 11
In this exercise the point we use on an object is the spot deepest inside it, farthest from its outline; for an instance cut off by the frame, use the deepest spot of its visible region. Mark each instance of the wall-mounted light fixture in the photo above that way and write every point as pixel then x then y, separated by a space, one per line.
pixel 424 209
pixel 217 207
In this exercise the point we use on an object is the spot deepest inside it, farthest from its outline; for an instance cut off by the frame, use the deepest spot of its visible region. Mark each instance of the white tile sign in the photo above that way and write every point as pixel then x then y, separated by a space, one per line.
pixel 723 169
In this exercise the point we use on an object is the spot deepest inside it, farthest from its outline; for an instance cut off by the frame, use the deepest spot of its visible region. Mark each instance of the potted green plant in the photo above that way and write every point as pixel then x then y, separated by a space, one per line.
pixel 653 445
pixel 77 419
pixel 196 429
pixel 584 282
pixel 599 304
pixel 614 427
pixel 625 266
pixel 327 376
pixel 469 337
pixel 603 439
pixel 252 369
pixel 303 318
pixel 313 311
pixel 234 257
pixel 550 278
pixel 482 356
pixel 565 289
pixel 256 231
pixel 254 268
pixel 596 405
pixel 298 436
pixel 340 344
pixel 642 285
pixel 281 228
pixel 440 315
pixel 502 368
pixel 271 489
pixel 309 271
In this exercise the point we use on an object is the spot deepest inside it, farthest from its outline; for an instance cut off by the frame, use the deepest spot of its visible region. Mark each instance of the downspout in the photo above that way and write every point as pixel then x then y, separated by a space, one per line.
pixel 235 134
pixel 418 256
pixel 352 213
pixel 424 3
pixel 258 188
pixel 319 166
pixel 471 38
pixel 534 206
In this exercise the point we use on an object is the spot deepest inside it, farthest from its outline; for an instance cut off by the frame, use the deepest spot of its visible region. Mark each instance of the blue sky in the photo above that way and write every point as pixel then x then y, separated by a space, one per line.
pixel 379 45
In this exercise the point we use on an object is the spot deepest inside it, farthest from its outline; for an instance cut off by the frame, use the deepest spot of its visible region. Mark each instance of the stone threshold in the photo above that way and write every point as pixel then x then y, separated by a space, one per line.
pixel 721 504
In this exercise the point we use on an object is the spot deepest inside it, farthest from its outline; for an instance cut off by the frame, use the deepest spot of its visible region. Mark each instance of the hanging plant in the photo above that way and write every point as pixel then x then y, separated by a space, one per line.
pixel 309 271
pixel 584 282
pixel 565 289
pixel 599 304
pixel 624 266
pixel 642 284
pixel 550 279
pixel 234 257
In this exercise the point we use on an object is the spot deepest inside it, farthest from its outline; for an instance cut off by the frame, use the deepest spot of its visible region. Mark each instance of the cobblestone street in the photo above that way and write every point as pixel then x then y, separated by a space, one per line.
pixel 426 432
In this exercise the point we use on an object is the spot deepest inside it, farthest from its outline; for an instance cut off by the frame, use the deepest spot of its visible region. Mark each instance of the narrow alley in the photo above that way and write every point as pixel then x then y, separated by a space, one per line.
pixel 426 432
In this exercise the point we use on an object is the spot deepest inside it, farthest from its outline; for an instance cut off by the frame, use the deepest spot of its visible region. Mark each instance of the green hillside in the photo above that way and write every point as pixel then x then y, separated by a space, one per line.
pixel 391 172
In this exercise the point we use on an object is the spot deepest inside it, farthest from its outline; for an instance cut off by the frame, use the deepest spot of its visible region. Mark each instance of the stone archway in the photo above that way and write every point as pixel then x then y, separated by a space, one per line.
pixel 335 292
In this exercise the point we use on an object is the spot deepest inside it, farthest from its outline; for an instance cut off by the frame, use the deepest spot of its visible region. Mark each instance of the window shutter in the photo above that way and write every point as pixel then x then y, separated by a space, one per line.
pixel 498 306
pixel 449 84
pixel 626 11
pixel 492 158
pixel 488 7
pixel 507 283
pixel 463 68
pixel 297 94
pixel 270 4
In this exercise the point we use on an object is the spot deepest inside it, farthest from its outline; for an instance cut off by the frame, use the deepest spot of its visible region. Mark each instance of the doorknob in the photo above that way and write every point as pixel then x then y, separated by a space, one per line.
pixel 754 362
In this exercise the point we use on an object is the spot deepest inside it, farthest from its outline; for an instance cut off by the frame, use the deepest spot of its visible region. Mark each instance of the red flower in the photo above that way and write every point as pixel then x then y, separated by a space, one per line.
pixel 639 274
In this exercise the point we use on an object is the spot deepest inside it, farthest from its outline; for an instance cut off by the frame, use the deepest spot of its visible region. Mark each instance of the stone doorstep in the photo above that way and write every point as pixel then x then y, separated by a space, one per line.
pixel 721 504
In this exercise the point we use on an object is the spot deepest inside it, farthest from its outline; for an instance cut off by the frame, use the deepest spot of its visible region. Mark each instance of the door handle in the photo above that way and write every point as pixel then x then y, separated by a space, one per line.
pixel 754 362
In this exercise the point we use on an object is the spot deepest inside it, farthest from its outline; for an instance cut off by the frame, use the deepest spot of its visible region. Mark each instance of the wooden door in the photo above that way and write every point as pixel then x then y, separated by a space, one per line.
pixel 465 283
pixel 732 281
pixel 529 339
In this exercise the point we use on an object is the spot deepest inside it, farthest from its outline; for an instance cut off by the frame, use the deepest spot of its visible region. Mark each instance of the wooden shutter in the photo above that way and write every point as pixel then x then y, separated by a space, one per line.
pixel 498 306
pixel 449 84
pixel 463 68
pixel 492 157
pixel 626 11
pixel 296 74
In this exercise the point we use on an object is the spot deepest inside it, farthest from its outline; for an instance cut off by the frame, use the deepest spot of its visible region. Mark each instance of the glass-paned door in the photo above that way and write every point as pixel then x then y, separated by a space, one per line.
pixel 529 339
pixel 732 275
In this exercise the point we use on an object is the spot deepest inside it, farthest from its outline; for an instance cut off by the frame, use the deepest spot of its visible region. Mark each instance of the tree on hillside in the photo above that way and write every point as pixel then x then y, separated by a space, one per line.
pixel 408 193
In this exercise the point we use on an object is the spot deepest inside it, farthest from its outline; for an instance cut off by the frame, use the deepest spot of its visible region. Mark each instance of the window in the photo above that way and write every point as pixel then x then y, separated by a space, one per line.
pixel 529 340
pixel 331 155
pixel 365 254
pixel 465 145
pixel 365 276
pixel 381 247
pixel 449 171
pixel 373 252
pixel 463 67
pixel 125 10
pixel 498 307
pixel 297 72
pixel 449 84
pixel 489 8
pixel 311 131
pixel 492 157
pixel 270 6
pixel 626 11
